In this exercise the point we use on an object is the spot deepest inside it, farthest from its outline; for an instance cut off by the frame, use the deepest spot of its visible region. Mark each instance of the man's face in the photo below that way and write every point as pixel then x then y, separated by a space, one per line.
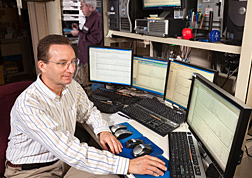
pixel 85 9
pixel 54 74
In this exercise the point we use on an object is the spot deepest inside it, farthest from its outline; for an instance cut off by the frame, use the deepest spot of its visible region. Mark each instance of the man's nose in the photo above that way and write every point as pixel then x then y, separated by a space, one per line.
pixel 71 67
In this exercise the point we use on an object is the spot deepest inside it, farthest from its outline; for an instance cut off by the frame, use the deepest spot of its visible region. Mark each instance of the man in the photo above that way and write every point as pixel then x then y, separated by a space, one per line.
pixel 91 34
pixel 43 118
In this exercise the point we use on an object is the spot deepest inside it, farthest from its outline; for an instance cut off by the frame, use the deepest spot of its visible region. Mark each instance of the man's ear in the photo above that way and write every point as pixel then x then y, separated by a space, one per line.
pixel 41 65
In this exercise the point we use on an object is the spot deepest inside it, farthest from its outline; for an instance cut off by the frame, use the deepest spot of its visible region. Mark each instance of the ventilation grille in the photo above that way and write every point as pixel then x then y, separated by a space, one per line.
pixel 157 27
pixel 141 23
pixel 125 24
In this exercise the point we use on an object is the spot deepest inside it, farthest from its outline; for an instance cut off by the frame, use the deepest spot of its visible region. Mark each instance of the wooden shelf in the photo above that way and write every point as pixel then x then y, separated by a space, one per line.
pixel 182 42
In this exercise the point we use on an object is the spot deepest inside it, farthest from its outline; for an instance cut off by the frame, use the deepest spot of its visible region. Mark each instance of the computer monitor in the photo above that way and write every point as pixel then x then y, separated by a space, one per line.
pixel 149 74
pixel 219 122
pixel 179 79
pixel 162 4
pixel 110 65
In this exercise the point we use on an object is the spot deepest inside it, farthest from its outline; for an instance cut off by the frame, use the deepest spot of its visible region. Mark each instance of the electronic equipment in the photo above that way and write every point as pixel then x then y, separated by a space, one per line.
pixel 113 14
pixel 131 143
pixel 141 150
pixel 71 13
pixel 166 28
pixel 179 79
pixel 219 122
pixel 169 8
pixel 149 74
pixel 141 26
pixel 113 95
pixel 155 115
pixel 236 12
pixel 129 11
pixel 183 146
pixel 162 4
pixel 116 127
pixel 106 106
pixel 110 65
pixel 122 133
pixel 160 28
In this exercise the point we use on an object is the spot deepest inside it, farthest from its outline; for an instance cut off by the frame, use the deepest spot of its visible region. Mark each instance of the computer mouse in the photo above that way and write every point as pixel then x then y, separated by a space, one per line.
pixel 116 127
pixel 131 143
pixel 141 150
pixel 122 133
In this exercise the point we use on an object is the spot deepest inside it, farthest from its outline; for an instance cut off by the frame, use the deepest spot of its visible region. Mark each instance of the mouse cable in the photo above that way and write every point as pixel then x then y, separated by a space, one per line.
pixel 246 148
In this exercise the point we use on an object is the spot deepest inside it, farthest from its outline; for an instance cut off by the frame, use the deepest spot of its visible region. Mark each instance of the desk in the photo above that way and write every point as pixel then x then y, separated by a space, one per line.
pixel 160 141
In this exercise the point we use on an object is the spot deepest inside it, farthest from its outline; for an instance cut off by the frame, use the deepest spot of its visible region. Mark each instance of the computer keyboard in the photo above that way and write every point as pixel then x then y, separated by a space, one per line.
pixel 161 109
pixel 116 96
pixel 150 119
pixel 184 157
pixel 105 105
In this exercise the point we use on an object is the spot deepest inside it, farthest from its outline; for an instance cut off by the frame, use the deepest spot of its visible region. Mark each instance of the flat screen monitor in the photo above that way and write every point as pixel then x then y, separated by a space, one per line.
pixel 219 122
pixel 179 79
pixel 110 65
pixel 149 74
pixel 162 4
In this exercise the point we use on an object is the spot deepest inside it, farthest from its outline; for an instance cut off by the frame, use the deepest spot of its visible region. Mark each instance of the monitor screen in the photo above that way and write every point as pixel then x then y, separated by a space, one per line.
pixel 149 74
pixel 179 79
pixel 110 65
pixel 162 4
pixel 219 122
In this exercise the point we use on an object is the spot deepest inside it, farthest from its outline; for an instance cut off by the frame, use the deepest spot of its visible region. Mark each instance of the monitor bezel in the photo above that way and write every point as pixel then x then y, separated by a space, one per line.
pixel 190 65
pixel 110 47
pixel 164 7
pixel 236 150
pixel 152 58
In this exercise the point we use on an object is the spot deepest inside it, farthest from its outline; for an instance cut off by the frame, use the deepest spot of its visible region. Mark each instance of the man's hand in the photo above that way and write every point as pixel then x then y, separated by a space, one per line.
pixel 75 25
pixel 107 139
pixel 147 165
pixel 75 32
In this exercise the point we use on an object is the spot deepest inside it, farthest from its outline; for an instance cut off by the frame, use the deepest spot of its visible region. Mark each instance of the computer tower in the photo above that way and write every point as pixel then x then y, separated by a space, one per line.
pixel 129 11
pixel 236 12
pixel 113 14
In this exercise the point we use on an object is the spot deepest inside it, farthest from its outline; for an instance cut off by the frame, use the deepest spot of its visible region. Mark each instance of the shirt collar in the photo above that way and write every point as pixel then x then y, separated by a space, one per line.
pixel 41 86
pixel 92 14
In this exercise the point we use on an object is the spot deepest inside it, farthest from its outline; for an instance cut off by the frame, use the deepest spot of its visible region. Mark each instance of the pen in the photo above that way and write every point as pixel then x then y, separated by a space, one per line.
pixel 192 19
pixel 202 20
pixel 123 115
pixel 196 20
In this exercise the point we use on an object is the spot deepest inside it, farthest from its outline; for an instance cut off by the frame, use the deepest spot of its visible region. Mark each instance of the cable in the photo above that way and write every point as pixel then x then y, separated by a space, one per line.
pixel 246 149
pixel 228 76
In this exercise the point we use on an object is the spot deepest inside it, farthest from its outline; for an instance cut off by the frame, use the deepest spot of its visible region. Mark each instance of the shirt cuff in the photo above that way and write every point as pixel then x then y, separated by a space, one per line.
pixel 101 129
pixel 121 166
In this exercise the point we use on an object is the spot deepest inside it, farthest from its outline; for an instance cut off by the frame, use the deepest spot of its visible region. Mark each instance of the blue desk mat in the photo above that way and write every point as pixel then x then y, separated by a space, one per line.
pixel 127 153
pixel 135 133
pixel 166 174
pixel 156 150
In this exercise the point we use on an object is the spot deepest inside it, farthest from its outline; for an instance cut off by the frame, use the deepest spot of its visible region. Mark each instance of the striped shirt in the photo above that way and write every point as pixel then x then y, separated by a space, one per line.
pixel 43 126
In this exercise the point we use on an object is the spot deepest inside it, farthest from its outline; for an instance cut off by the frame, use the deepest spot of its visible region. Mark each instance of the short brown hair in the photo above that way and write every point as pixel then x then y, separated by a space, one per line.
pixel 45 43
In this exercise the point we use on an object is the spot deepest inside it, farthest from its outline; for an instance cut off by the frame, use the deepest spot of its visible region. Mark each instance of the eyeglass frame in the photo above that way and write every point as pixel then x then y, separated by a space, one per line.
pixel 75 62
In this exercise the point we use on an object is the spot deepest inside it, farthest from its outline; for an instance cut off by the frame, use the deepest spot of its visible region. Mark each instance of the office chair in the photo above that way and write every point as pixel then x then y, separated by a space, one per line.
pixel 8 95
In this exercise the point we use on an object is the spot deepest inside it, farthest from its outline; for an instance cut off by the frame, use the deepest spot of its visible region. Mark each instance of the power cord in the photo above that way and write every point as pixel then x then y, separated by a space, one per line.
pixel 246 148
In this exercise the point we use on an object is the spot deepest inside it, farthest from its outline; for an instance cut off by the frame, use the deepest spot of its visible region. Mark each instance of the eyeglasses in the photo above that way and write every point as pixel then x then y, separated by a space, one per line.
pixel 66 64
pixel 82 6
